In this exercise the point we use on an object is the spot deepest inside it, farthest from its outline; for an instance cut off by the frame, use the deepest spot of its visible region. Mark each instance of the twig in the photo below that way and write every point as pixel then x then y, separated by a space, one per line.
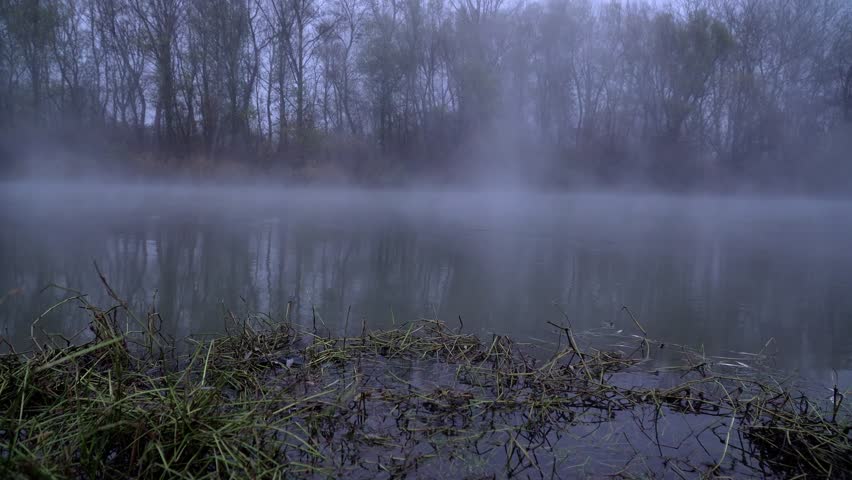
pixel 574 346
pixel 109 289
pixel 644 333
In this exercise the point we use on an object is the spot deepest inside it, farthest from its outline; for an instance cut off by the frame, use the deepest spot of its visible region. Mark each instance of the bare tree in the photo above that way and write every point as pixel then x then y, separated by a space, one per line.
pixel 160 20
pixel 677 93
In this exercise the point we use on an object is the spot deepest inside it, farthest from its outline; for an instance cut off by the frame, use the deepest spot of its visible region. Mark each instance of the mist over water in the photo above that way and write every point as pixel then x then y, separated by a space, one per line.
pixel 728 274
pixel 359 167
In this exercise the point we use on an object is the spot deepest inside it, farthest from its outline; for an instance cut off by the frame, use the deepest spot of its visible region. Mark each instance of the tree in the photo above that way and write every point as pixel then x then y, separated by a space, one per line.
pixel 677 92
pixel 160 20
pixel 31 27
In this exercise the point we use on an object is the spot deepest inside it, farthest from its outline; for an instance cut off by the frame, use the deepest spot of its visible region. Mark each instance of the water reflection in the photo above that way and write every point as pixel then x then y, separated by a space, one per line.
pixel 724 276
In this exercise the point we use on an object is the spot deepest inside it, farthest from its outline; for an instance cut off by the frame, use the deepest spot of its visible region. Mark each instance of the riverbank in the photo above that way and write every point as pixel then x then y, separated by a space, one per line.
pixel 424 399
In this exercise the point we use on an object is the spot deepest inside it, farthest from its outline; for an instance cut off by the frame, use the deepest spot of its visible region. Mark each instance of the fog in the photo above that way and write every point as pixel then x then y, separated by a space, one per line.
pixel 206 205
pixel 683 95
pixel 724 273
pixel 484 159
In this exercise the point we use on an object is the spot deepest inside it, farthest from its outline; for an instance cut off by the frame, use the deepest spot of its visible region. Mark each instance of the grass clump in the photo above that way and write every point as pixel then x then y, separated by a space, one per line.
pixel 272 400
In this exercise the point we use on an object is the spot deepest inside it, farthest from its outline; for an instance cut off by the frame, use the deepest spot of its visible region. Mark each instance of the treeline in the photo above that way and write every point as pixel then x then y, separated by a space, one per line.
pixel 690 93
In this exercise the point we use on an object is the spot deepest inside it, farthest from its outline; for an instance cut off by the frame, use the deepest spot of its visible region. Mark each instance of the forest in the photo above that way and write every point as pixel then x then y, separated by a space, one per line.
pixel 679 94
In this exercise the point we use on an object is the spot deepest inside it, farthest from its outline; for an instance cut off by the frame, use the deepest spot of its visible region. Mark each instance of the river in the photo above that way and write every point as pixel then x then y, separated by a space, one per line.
pixel 726 274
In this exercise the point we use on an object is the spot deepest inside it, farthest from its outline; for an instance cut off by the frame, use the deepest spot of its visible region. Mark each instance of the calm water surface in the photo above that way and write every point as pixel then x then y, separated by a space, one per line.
pixel 728 274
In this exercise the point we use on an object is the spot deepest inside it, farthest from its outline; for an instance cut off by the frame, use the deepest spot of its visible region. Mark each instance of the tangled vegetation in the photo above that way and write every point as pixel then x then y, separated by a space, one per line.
pixel 269 399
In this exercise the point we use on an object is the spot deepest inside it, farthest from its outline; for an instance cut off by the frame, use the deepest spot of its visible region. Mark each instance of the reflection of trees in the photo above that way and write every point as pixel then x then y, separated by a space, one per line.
pixel 686 285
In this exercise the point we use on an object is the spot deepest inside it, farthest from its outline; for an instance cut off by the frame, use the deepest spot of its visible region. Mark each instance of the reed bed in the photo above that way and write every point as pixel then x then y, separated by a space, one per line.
pixel 270 399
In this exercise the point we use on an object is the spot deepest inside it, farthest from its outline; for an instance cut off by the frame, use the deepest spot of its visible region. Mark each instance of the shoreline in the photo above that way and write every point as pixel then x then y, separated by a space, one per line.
pixel 422 399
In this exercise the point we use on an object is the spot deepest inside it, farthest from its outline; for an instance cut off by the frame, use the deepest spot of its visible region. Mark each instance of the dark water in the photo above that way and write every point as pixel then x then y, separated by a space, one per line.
pixel 725 274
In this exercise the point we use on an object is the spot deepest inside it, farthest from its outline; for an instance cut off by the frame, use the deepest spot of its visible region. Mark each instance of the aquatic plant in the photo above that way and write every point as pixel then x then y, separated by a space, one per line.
pixel 270 399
